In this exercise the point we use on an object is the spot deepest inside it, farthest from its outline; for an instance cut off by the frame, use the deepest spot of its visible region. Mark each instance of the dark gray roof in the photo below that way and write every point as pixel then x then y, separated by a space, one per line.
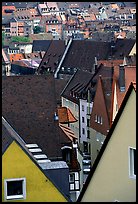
pixel 81 81
pixel 76 85
pixel 81 54
pixel 41 45
pixel 20 4
pixel 29 106
pixel 122 48
pixel 103 36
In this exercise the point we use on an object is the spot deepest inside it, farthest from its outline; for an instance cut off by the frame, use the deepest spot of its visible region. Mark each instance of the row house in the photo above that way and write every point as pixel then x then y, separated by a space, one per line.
pixel 48 8
pixel 70 30
pixel 54 26
pixel 116 159
pixel 108 98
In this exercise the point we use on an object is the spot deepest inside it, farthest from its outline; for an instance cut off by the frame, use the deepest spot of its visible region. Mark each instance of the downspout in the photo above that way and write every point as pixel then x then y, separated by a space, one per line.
pixel 62 59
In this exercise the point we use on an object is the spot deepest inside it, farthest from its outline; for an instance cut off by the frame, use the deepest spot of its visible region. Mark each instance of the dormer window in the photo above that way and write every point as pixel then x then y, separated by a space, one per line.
pixel 66 154
pixel 98 119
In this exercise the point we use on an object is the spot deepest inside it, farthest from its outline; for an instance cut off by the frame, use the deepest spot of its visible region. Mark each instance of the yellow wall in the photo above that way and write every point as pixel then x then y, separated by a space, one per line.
pixel 111 179
pixel 17 164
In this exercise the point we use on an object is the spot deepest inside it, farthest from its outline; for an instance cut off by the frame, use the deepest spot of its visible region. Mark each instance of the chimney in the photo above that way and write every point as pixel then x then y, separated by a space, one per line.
pixel 66 41
pixel 122 78
pixel 124 61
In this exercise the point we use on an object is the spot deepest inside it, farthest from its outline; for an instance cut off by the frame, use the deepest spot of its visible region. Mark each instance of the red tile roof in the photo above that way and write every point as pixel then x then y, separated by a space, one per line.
pixel 70 134
pixel 65 115
pixel 15 57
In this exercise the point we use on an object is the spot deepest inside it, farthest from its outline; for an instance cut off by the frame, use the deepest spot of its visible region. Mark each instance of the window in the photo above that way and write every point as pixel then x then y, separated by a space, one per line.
pixel 71 178
pixel 83 131
pixel 88 122
pixel 82 119
pixel 82 107
pixel 15 188
pixel 74 181
pixel 98 119
pixel 88 134
pixel 132 162
pixel 95 118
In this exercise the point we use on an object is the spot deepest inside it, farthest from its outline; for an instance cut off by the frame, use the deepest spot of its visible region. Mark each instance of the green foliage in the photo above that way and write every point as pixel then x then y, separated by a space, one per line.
pixel 20 39
pixel 37 29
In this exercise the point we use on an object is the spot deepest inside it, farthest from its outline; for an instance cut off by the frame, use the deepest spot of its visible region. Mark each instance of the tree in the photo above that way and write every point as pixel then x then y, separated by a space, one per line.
pixel 37 29
pixel 20 39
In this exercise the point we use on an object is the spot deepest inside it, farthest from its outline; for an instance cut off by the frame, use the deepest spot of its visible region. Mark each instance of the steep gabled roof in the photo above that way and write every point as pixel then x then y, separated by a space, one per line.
pixel 53 56
pixel 108 138
pixel 76 84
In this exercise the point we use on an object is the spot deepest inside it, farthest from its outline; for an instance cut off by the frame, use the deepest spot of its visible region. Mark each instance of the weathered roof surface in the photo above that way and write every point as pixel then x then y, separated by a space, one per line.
pixel 20 4
pixel 29 106
pixel 81 54
pixel 65 115
pixel 60 85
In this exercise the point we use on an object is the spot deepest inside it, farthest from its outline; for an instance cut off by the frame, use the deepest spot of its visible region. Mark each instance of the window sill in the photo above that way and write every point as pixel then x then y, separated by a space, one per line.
pixel 14 197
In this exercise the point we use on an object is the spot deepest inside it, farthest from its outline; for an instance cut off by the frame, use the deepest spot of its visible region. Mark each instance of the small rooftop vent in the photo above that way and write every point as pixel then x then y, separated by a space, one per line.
pixel 55 116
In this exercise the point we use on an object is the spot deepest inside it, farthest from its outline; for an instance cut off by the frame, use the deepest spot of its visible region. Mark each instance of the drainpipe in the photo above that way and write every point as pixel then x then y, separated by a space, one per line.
pixel 63 57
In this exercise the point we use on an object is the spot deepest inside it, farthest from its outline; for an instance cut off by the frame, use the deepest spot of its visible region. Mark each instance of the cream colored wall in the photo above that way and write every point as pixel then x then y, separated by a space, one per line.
pixel 17 164
pixel 111 180
pixel 95 145
pixel 133 51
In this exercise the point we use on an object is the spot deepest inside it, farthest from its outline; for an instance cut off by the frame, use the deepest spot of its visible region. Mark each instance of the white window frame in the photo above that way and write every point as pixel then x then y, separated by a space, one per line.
pixel 131 162
pixel 15 197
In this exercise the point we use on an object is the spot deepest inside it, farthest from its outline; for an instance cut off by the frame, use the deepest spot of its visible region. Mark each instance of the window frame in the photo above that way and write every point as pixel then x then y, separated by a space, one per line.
pixel 131 162
pixel 15 197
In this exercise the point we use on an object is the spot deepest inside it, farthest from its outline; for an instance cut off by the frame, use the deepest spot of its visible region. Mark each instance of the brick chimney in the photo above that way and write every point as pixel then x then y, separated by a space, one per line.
pixel 122 77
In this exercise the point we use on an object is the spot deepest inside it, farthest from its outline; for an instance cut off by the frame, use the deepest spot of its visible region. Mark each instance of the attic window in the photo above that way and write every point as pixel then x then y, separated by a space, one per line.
pixel 15 188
